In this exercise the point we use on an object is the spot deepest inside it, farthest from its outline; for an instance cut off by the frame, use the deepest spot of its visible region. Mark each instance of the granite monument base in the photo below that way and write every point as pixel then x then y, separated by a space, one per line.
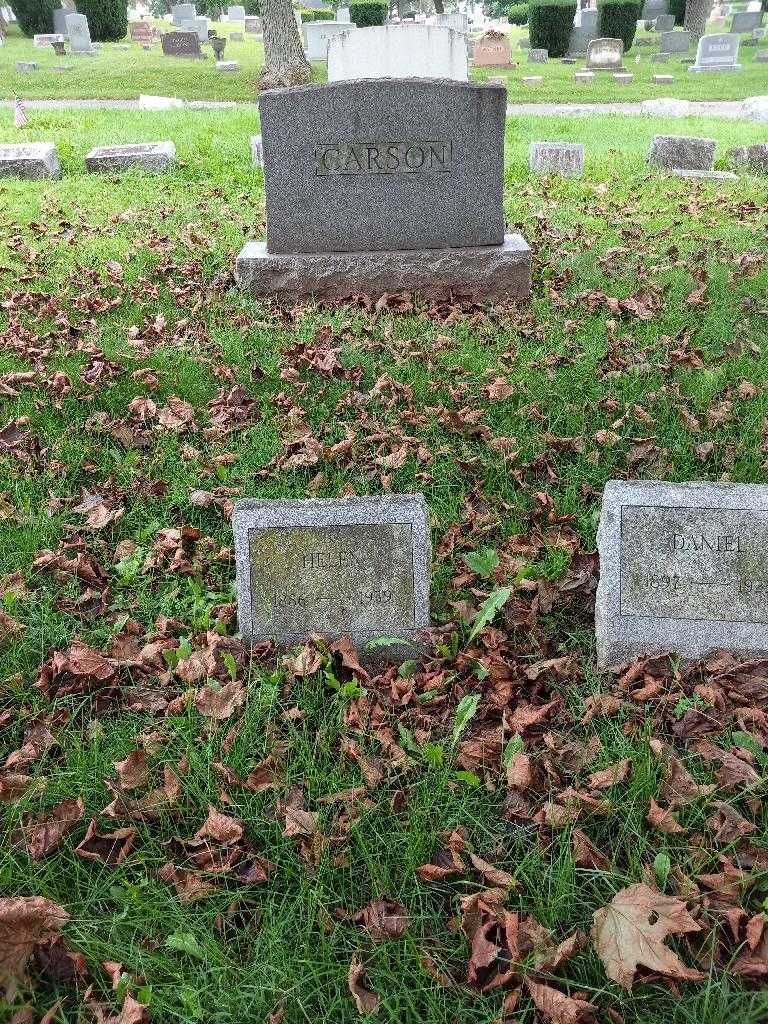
pixel 478 273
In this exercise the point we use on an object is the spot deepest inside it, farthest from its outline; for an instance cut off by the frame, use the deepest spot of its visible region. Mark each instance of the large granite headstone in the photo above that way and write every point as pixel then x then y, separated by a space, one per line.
pixel 375 186
pixel 397 51
pixel 79 35
pixel 745 21
pixel 717 53
pixel 181 44
pixel 60 20
pixel 357 566
pixel 683 568
pixel 653 8
pixel 492 51
pixel 682 152
pixel 675 42
pixel 29 160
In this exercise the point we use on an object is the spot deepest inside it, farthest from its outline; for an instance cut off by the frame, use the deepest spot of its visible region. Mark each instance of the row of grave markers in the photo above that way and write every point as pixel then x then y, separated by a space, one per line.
pixel 683 569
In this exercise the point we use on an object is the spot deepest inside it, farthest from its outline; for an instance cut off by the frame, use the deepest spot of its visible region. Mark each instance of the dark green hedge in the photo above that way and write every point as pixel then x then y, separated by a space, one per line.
pixel 618 20
pixel 517 14
pixel 107 19
pixel 549 25
pixel 677 7
pixel 34 16
pixel 368 12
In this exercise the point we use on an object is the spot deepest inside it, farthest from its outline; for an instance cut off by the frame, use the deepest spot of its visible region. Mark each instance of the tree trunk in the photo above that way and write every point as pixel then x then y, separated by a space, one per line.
pixel 284 61
pixel 439 7
pixel 696 14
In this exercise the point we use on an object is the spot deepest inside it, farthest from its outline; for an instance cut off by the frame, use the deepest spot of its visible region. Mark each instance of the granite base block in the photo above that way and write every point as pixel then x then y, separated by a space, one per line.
pixel 479 273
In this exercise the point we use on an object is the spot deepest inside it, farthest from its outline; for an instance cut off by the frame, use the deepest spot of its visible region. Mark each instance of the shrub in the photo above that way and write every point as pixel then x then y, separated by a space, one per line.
pixel 618 20
pixel 517 14
pixel 34 15
pixel 368 12
pixel 107 19
pixel 549 25
pixel 212 9
pixel 677 7
pixel 252 8
pixel 309 14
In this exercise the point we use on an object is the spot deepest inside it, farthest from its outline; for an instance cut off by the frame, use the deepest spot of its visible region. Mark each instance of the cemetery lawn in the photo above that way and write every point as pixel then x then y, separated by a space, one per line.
pixel 125 74
pixel 142 395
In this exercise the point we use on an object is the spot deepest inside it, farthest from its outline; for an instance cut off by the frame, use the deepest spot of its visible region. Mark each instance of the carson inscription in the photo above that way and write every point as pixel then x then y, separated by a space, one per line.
pixel 384 158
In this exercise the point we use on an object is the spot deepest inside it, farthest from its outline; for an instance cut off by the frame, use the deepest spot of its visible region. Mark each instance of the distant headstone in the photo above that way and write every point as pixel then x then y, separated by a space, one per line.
pixel 676 42
pixel 79 35
pixel 682 569
pixel 717 53
pixel 43 39
pixel 579 40
pixel 565 158
pixel 492 51
pixel 682 152
pixel 181 44
pixel 318 34
pixel 664 23
pixel 334 567
pixel 227 65
pixel 181 13
pixel 218 45
pixel 385 185
pixel 659 58
pixel 538 56
pixel 666 106
pixel 253 26
pixel 456 20
pixel 623 78
pixel 59 20
pixel 397 51
pixel 754 158
pixel 584 77
pixel 662 80
pixel 29 160
pixel 605 55
pixel 141 32
pixel 257 151
pixel 653 8
pixel 524 43
pixel 59 48
pixel 156 103
pixel 148 156
pixel 761 57
pixel 236 37
pixel 236 13
pixel 589 21
pixel 343 14
pixel 198 26
pixel 26 65
pixel 745 21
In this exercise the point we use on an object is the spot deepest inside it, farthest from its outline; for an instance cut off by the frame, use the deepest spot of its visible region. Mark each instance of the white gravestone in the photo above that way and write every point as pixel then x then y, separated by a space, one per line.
pixel 717 53
pixel 197 25
pixel 79 35
pixel 318 35
pixel 676 42
pixel 398 51
pixel 236 14
pixel 181 13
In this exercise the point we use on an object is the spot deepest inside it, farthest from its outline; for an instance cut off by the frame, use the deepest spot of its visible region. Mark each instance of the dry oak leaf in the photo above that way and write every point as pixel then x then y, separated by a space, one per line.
pixel 43 836
pixel 631 930
pixel 221 702
pixel 383 919
pixel 558 1008
pixel 367 1002
pixel 133 771
pixel 220 827
pixel 24 922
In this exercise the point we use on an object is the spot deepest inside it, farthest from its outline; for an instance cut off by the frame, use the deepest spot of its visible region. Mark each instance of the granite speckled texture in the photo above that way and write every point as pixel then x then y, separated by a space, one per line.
pixel 358 566
pixel 383 164
pixel 491 272
pixel 30 160
pixel 566 158
pixel 149 156
pixel 683 568
pixel 682 152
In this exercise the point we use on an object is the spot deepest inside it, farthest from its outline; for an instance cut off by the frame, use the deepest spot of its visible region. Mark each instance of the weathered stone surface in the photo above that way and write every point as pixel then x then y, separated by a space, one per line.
pixel 148 156
pixel 253 26
pixel 659 58
pixel 26 65
pixel 717 53
pixel 687 172
pixel 197 25
pixel 664 23
pixel 532 80
pixel 753 158
pixel 566 158
pixel 397 51
pixel 761 57
pixel 236 13
pixel 218 45
pixel 676 42
pixel 59 21
pixel 683 568
pixel 653 8
pixel 605 55
pixel 257 151
pixel 579 40
pixel 666 106
pixel 141 32
pixel 623 78
pixel 395 164
pixel 357 566
pixel 538 56
pixel 745 21
pixel 318 35
pixel 182 12
pixel 29 160
pixel 584 77
pixel 44 39
pixel 181 44
pixel 482 273
pixel 490 51
pixel 682 152
pixel 662 79
pixel 227 65
pixel 755 108
pixel 79 35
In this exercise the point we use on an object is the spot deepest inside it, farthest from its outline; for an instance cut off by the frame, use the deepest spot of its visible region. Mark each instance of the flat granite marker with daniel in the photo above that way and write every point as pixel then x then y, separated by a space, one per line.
pixel 683 569
pixel 335 566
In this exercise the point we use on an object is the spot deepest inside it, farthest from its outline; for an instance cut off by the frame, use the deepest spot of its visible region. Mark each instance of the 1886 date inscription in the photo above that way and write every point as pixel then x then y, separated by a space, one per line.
pixel 327 579
pixel 696 564
pixel 415 157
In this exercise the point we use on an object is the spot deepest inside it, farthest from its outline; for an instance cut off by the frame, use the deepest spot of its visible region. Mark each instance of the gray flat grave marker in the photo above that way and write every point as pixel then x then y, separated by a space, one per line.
pixel 253 26
pixel 26 65
pixel 148 156
pixel 717 53
pixel 664 23
pixel 60 20
pixel 358 566
pixel 236 13
pixel 682 152
pixel 29 160
pixel 566 158
pixel 683 568
pixel 537 55
pixel 182 12
pixel 676 42
pixel 197 25
pixel 236 37
pixel 181 44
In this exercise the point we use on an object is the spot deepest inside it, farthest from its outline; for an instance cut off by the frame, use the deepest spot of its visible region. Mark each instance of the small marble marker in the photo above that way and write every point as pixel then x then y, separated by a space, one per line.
pixel 683 568
pixel 358 566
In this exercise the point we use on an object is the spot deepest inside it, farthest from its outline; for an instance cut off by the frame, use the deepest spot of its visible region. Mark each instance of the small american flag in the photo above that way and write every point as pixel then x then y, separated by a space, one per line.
pixel 19 114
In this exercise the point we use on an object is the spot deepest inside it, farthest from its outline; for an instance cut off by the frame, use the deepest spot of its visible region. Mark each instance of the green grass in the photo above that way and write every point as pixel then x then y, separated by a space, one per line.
pixel 118 74
pixel 575 366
